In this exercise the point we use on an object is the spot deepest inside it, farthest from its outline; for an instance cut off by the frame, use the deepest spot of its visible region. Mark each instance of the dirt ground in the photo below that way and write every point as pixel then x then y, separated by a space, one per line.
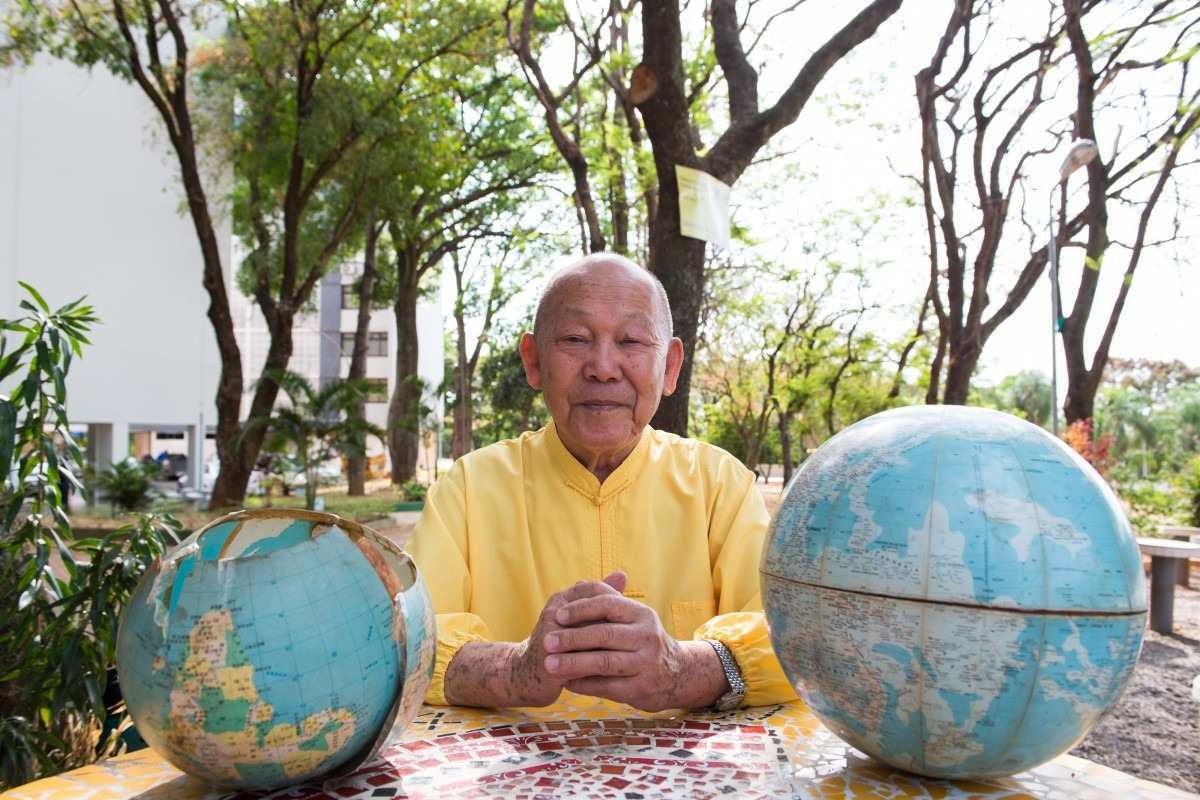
pixel 1154 730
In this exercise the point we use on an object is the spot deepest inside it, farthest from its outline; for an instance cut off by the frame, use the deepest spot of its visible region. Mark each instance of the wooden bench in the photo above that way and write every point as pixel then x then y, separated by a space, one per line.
pixel 1181 533
pixel 1165 557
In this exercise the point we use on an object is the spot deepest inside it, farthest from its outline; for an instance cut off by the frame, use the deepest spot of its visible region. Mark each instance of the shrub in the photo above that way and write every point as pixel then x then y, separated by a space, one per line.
pixel 127 484
pixel 413 491
pixel 1095 449
pixel 60 598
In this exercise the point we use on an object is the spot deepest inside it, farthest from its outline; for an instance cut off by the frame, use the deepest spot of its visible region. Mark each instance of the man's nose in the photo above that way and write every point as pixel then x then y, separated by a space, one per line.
pixel 603 362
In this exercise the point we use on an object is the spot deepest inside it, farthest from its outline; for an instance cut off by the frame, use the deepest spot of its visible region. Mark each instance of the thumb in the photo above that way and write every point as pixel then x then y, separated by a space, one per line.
pixel 617 580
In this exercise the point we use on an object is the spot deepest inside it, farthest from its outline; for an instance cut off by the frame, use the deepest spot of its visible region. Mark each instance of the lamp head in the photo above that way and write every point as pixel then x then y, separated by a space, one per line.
pixel 1081 154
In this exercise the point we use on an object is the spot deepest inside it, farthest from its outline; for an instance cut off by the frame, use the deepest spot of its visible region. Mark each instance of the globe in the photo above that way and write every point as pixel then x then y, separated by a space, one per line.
pixel 274 647
pixel 953 591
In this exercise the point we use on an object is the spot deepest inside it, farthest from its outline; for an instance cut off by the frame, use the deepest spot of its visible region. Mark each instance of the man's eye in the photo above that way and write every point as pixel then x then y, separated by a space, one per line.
pixel 573 339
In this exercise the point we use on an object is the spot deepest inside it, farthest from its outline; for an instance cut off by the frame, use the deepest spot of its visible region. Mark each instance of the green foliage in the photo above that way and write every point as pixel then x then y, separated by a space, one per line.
pixel 127 485
pixel 1189 482
pixel 1149 504
pixel 316 425
pixel 412 491
pixel 60 597
pixel 786 362
pixel 510 405
pixel 1025 394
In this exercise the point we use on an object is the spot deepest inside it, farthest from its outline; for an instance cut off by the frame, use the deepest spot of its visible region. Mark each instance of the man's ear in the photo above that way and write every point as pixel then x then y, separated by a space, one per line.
pixel 531 360
pixel 674 364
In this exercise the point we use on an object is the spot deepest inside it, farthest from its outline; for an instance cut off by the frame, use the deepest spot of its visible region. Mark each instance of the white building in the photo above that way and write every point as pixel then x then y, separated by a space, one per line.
pixel 91 204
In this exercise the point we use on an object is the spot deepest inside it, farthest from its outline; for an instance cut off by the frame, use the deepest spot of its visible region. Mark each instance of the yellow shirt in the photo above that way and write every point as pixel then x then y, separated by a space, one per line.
pixel 515 522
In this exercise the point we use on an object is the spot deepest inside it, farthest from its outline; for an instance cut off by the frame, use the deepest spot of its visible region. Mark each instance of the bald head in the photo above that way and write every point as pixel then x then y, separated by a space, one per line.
pixel 598 269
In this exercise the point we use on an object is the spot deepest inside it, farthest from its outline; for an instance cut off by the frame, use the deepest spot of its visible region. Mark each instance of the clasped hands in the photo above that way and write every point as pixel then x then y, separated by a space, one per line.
pixel 591 640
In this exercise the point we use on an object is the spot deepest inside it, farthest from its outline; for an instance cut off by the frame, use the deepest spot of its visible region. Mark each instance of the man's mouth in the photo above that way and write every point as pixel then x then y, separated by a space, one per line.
pixel 602 405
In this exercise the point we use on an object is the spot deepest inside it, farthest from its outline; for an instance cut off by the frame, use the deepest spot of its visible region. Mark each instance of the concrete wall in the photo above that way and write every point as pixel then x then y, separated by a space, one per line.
pixel 90 205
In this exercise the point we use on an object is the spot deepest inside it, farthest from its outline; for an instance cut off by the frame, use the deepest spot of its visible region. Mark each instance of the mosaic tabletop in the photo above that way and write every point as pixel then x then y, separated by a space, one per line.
pixel 591 748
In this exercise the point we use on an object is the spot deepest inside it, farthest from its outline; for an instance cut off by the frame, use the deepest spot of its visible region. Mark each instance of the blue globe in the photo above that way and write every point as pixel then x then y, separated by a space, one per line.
pixel 953 591
pixel 277 646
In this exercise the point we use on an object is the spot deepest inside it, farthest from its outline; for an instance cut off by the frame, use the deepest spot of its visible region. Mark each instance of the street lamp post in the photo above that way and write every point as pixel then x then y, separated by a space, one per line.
pixel 1081 153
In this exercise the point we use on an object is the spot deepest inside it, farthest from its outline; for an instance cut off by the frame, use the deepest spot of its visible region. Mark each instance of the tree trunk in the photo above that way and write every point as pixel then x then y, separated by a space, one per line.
pixel 464 418
pixel 230 486
pixel 678 261
pixel 958 374
pixel 404 409
pixel 464 440
pixel 356 464
pixel 785 443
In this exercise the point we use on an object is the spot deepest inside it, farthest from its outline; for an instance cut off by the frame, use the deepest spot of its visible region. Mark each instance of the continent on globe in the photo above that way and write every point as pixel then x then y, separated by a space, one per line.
pixel 953 591
pixel 275 647
pixel 217 713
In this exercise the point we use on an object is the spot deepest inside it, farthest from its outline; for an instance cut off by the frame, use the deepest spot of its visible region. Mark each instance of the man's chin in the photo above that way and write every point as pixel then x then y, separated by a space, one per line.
pixel 608 438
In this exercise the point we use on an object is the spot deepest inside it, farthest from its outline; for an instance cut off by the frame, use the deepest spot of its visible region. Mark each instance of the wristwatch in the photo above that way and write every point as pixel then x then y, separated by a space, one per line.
pixel 737 687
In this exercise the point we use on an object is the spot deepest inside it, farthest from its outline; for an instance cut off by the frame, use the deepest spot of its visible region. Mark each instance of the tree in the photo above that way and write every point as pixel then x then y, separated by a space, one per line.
pixel 148 44
pixel 983 112
pixel 591 119
pixel 316 424
pixel 671 92
pixel 1025 394
pixel 487 274
pixel 510 405
pixel 1116 58
pixel 660 91
pixel 311 88
pixel 356 463
pixel 321 92
pixel 472 158
pixel 785 360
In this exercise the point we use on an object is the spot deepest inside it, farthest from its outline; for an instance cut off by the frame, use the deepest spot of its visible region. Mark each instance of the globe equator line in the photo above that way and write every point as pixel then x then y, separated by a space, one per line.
pixel 1069 612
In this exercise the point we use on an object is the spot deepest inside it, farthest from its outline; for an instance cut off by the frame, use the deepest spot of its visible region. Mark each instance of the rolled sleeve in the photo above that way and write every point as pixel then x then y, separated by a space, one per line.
pixel 441 546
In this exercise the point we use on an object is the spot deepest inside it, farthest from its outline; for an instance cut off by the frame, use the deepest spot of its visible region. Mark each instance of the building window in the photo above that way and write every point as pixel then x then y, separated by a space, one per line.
pixel 377 390
pixel 377 344
pixel 349 295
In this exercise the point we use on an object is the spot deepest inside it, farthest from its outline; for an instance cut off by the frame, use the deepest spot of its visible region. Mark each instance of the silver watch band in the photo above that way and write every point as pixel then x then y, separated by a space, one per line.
pixel 737 687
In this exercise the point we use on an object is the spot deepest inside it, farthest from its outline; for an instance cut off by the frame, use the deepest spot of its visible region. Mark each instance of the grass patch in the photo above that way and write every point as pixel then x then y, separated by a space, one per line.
pixel 100 518
pixel 359 509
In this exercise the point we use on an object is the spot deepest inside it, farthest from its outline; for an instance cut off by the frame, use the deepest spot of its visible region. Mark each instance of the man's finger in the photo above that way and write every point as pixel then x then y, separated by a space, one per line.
pixel 617 580
pixel 618 689
pixel 584 589
pixel 600 636
pixel 602 663
pixel 599 608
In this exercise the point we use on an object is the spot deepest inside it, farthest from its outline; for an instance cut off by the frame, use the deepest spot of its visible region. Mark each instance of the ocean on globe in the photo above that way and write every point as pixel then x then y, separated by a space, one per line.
pixel 953 591
pixel 277 646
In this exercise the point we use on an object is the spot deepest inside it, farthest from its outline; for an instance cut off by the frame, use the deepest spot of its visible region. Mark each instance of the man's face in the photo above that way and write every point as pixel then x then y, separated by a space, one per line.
pixel 602 361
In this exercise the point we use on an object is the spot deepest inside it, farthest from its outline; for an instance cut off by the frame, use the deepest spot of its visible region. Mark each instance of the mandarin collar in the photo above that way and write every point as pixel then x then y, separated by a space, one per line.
pixel 581 479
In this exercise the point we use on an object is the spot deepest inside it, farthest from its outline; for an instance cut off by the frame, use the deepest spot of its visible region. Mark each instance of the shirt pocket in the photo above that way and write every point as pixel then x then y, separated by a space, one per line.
pixel 687 615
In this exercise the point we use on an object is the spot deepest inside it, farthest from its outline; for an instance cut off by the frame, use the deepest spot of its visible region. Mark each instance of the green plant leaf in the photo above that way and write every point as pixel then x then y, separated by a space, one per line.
pixel 35 295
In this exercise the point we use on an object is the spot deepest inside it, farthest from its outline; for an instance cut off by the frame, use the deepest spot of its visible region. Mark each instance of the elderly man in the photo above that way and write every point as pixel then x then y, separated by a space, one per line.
pixel 598 555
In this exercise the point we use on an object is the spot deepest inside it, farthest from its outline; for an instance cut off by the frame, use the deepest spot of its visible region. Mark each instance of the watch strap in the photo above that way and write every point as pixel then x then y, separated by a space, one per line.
pixel 737 687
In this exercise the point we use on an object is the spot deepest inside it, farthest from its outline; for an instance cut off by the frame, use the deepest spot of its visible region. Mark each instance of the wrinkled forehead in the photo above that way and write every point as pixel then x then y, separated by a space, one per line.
pixel 590 314
pixel 605 292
